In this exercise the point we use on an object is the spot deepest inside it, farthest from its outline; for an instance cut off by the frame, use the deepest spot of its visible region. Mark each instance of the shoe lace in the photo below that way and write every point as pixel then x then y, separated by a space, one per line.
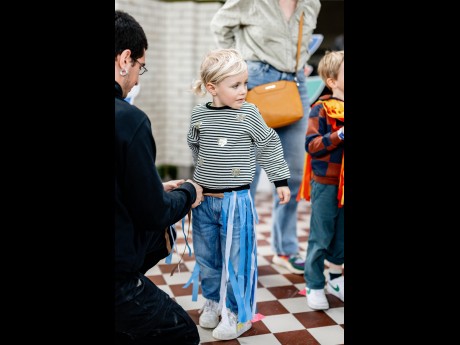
pixel 232 318
pixel 209 306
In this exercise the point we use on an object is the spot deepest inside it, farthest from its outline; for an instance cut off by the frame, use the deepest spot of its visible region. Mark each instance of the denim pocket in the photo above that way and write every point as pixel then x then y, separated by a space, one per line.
pixel 256 73
pixel 256 68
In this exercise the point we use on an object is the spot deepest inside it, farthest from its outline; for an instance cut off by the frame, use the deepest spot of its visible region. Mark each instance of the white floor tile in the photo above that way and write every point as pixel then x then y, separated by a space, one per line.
pixel 264 295
pixel 336 314
pixel 273 280
pixel 264 250
pixel 328 335
pixel 282 323
pixel 264 339
pixel 295 304
pixel 261 261
pixel 155 270
pixel 205 335
pixel 177 278
pixel 187 303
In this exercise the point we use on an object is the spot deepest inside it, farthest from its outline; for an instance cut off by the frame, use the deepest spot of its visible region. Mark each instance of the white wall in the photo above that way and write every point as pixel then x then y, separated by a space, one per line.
pixel 179 36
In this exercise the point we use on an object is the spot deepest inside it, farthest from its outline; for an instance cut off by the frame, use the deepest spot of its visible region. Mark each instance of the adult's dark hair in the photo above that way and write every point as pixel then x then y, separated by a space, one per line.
pixel 129 34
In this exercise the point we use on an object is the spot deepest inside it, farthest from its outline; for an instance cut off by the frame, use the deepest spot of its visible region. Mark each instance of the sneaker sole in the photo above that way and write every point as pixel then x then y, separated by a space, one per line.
pixel 318 307
pixel 286 264
pixel 245 328
pixel 208 324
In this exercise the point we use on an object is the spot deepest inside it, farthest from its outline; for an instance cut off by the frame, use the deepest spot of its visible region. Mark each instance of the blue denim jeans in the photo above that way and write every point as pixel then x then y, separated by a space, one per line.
pixel 284 226
pixel 326 239
pixel 228 264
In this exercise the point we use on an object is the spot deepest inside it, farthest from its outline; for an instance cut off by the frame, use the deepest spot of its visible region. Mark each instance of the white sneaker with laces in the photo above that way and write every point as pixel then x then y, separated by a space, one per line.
pixel 231 330
pixel 209 317
pixel 316 299
pixel 335 287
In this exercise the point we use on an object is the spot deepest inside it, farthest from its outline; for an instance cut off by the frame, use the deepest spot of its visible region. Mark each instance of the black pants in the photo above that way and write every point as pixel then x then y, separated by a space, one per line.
pixel 152 317
pixel 147 315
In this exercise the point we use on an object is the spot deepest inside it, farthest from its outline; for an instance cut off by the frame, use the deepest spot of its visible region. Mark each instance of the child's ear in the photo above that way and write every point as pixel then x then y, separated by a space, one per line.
pixel 211 88
pixel 330 83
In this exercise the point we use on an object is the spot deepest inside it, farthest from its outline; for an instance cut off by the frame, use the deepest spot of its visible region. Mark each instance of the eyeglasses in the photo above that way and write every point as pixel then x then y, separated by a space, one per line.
pixel 143 69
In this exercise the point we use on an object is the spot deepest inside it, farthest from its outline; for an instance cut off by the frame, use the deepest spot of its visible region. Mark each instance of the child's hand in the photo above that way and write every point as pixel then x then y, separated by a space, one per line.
pixel 341 133
pixel 284 193
pixel 173 184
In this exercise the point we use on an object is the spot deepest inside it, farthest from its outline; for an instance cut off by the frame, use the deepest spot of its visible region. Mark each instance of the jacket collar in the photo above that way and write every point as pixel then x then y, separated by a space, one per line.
pixel 118 91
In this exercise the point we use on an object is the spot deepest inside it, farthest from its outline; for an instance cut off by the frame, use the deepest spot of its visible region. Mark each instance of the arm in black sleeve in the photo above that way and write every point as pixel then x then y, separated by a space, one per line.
pixel 281 183
pixel 152 208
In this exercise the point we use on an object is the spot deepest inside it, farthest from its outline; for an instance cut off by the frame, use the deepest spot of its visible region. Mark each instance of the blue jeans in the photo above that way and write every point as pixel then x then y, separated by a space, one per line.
pixel 216 217
pixel 326 239
pixel 284 226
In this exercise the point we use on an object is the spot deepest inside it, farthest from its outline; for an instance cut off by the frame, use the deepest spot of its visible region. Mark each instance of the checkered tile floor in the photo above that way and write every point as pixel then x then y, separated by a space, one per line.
pixel 286 318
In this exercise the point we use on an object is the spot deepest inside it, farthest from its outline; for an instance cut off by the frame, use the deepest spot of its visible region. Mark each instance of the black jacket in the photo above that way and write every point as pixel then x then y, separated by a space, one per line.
pixel 142 207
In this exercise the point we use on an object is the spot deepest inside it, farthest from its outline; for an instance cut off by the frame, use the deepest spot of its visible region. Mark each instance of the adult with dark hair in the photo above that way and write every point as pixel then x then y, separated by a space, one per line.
pixel 145 207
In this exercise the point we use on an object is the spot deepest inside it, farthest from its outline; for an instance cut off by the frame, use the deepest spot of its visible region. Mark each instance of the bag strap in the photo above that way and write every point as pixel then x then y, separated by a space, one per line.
pixel 299 41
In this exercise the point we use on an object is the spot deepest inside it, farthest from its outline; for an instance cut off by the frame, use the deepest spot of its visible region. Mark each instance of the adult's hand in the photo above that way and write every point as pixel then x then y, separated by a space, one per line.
pixel 199 193
pixel 173 184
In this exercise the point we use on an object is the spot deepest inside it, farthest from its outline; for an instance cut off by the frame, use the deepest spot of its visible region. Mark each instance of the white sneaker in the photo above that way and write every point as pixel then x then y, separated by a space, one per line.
pixel 316 299
pixel 335 287
pixel 209 314
pixel 231 330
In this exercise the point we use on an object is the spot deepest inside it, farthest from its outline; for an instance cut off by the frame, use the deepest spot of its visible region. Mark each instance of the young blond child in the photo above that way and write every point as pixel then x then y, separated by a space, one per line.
pixel 323 185
pixel 224 135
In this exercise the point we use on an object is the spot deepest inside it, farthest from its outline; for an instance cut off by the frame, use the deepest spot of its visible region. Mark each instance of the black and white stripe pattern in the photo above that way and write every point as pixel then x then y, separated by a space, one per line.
pixel 226 143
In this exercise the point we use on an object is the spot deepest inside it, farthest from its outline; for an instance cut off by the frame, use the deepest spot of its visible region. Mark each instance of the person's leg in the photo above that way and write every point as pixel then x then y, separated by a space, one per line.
pixel 335 254
pixel 240 291
pixel 206 245
pixel 335 271
pixel 150 316
pixel 238 245
pixel 284 228
pixel 322 230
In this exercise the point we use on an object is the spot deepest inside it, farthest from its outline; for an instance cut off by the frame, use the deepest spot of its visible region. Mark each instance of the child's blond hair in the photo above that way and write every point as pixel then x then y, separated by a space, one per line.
pixel 217 65
pixel 329 65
